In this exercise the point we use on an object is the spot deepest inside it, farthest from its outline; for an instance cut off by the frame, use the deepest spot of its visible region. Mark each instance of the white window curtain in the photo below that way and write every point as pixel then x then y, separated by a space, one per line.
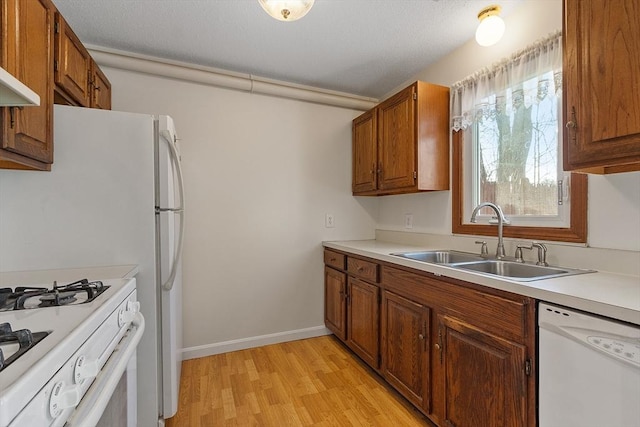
pixel 480 95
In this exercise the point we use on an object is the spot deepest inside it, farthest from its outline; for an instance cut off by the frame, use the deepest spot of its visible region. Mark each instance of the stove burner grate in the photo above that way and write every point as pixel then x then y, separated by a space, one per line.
pixel 24 338
pixel 57 296
pixel 60 298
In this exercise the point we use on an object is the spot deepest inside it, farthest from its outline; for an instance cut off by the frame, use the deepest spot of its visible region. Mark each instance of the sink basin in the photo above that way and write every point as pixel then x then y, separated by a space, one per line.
pixel 440 256
pixel 476 263
pixel 518 271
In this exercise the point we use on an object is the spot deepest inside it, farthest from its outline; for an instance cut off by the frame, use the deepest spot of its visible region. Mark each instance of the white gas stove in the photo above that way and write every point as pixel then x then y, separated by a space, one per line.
pixel 79 348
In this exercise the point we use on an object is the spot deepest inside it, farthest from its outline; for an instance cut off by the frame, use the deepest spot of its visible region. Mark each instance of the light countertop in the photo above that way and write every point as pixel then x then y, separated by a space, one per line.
pixel 63 276
pixel 607 294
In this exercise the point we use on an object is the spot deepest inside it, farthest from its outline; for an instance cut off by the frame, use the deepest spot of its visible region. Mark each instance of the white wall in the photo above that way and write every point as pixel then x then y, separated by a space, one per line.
pixel 614 228
pixel 260 174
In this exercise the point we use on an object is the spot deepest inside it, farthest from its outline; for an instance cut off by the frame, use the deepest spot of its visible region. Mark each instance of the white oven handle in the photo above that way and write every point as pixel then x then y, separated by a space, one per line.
pixel 93 404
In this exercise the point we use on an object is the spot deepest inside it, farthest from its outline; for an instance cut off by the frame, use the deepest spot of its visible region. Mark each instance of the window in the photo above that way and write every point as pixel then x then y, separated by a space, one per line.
pixel 507 140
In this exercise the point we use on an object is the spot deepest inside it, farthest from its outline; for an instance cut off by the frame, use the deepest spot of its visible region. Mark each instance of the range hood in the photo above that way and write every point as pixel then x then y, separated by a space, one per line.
pixel 13 93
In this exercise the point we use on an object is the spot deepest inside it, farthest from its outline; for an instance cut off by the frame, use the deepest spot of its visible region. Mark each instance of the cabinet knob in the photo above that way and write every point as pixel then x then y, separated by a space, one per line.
pixel 437 346
pixel 571 124
pixel 421 336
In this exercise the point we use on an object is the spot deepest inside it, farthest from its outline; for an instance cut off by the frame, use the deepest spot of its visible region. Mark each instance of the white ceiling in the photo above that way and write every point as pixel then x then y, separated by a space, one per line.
pixel 363 47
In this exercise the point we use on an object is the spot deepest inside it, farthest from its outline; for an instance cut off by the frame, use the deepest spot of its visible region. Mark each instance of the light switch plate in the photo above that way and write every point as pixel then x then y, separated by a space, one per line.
pixel 408 220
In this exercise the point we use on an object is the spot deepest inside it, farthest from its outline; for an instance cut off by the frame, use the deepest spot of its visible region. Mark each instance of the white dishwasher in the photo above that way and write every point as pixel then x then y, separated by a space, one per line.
pixel 589 370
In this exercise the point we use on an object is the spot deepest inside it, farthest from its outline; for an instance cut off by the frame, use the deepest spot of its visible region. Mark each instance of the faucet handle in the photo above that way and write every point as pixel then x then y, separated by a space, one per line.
pixel 519 249
pixel 542 253
pixel 483 250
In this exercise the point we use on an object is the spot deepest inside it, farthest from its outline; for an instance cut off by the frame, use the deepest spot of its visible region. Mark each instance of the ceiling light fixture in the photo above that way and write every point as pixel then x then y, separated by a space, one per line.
pixel 287 11
pixel 491 26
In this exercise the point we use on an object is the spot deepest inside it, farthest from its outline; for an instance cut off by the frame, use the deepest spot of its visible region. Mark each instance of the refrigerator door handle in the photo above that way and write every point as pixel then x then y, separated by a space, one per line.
pixel 175 210
pixel 168 285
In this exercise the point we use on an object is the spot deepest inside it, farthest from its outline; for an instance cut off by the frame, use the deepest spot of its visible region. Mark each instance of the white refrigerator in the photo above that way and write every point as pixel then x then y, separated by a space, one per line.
pixel 114 197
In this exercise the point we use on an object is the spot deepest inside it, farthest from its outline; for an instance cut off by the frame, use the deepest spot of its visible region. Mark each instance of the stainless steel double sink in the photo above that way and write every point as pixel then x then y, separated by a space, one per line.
pixel 502 268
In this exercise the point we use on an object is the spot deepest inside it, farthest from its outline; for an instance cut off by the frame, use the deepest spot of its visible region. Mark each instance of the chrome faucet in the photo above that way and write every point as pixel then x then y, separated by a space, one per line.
pixel 501 220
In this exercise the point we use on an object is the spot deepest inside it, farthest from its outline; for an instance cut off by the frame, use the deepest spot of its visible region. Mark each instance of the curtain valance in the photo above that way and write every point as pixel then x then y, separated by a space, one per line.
pixel 525 77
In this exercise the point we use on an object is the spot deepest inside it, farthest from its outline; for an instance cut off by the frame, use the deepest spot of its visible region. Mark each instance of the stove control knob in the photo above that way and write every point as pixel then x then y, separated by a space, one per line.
pixel 125 317
pixel 133 306
pixel 84 369
pixel 122 317
pixel 127 314
pixel 63 398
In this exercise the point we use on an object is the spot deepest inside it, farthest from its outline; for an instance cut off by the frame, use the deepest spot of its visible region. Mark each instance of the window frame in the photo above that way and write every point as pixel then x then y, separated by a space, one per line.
pixel 575 233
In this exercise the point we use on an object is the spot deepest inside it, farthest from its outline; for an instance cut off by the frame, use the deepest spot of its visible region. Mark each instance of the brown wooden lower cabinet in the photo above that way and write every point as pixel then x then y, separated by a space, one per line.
pixel 335 302
pixel 462 353
pixel 484 377
pixel 363 320
pixel 404 339
pixel 352 304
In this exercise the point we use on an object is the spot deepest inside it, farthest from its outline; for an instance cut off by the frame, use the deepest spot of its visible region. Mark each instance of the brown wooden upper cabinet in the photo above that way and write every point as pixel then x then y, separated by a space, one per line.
pixel 101 88
pixel 601 85
pixel 27 53
pixel 79 80
pixel 40 49
pixel 402 145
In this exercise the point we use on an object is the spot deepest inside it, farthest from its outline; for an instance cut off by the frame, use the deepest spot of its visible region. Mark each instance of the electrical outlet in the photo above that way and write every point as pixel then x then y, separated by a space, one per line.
pixel 408 220
pixel 329 221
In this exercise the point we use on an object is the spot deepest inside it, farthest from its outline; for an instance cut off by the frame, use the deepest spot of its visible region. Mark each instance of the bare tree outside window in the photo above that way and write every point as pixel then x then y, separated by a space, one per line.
pixel 517 149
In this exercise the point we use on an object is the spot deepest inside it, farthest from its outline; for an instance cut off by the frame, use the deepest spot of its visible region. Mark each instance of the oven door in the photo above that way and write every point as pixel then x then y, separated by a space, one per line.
pixel 111 400
pixel 112 369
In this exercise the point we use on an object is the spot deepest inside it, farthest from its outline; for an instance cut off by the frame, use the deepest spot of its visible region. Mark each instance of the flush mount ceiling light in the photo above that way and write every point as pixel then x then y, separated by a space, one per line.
pixel 491 26
pixel 287 11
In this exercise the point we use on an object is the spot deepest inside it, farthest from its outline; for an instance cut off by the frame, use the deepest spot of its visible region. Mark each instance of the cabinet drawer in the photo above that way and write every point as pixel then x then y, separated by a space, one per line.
pixel 364 269
pixel 334 259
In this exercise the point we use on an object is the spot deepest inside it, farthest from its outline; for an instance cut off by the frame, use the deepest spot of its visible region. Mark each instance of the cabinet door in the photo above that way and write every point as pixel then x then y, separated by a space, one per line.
pixel 365 153
pixel 27 53
pixel 335 302
pixel 363 320
pixel 405 356
pixel 72 65
pixel 484 377
pixel 602 84
pixel 397 141
pixel 101 96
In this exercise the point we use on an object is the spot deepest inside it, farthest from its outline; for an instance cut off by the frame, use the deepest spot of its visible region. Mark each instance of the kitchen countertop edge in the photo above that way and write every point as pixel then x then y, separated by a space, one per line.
pixel 46 277
pixel 612 295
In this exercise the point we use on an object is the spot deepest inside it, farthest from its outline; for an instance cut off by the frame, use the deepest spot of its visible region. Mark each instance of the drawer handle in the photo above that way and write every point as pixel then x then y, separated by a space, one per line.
pixel 332 260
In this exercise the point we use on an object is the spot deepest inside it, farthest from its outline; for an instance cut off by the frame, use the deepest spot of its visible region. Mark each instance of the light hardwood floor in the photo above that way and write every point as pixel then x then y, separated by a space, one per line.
pixel 312 382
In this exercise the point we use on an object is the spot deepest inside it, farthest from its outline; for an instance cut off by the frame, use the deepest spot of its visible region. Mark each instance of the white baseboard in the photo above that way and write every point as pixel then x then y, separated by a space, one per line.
pixel 251 342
